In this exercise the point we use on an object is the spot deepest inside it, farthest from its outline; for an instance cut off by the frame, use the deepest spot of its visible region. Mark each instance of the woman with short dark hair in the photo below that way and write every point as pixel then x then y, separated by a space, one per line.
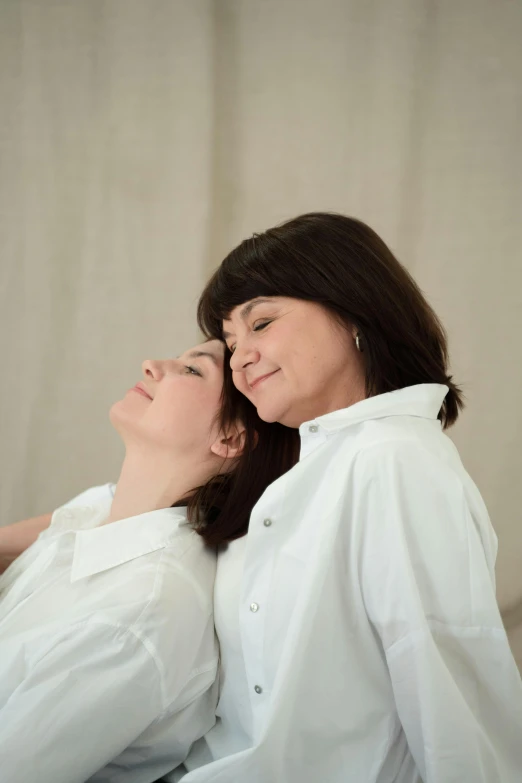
pixel 360 636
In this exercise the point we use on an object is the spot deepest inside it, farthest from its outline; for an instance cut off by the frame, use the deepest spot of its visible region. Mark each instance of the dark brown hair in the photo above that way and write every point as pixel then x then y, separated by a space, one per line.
pixel 220 510
pixel 342 264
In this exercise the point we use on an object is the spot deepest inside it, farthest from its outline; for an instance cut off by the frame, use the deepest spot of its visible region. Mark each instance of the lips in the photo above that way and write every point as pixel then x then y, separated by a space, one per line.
pixel 140 389
pixel 261 378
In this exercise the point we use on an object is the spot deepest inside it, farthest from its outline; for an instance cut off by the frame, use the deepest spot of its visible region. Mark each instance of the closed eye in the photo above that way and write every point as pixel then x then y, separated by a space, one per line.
pixel 190 370
pixel 258 326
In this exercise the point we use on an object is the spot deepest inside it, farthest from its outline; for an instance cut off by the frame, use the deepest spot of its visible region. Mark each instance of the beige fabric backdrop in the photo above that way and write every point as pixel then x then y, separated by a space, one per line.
pixel 141 139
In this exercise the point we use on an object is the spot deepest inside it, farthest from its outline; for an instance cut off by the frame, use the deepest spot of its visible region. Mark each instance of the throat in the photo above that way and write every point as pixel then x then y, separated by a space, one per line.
pixel 148 485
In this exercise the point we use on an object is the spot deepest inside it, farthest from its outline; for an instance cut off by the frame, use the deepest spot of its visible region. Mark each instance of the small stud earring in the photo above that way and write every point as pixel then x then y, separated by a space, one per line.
pixel 358 343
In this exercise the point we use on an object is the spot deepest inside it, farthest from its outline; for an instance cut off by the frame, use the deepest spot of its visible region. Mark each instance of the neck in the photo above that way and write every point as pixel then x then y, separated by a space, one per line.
pixel 148 484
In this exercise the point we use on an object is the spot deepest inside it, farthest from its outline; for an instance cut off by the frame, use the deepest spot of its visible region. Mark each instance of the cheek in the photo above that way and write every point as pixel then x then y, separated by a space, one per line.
pixel 178 408
pixel 130 408
pixel 239 381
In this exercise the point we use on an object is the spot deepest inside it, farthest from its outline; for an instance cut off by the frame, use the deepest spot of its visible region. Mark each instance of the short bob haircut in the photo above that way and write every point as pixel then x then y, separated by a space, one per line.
pixel 343 265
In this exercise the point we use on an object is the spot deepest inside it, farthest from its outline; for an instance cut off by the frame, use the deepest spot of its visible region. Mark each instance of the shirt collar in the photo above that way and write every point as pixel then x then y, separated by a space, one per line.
pixel 82 517
pixel 423 400
pixel 97 549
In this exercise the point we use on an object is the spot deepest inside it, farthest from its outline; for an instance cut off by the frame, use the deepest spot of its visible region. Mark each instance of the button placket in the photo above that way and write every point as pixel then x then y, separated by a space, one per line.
pixel 256 585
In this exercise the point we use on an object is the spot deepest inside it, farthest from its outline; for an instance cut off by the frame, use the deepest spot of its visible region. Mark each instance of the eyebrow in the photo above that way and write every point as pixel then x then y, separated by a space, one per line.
pixel 247 309
pixel 207 354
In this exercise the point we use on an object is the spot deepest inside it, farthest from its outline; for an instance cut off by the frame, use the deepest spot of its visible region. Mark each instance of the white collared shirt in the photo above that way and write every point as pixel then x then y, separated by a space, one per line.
pixel 108 655
pixel 372 643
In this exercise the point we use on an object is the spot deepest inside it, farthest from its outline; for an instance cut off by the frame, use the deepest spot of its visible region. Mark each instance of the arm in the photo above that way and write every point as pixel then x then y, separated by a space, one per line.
pixel 429 594
pixel 93 691
pixel 15 538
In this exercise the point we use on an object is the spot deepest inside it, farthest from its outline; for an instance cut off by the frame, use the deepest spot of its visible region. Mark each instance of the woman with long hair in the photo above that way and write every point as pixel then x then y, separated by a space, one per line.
pixel 108 656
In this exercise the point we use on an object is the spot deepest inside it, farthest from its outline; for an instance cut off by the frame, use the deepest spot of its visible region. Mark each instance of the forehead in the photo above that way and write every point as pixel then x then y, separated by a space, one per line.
pixel 243 310
pixel 214 346
pixel 213 349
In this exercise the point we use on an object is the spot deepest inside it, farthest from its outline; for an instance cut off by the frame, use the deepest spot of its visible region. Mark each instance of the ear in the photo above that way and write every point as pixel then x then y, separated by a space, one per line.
pixel 231 444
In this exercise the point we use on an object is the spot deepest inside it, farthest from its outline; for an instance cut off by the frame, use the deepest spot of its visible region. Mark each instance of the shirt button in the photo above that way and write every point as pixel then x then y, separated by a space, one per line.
pixel 313 428
pixel 254 607
pixel 267 522
pixel 258 689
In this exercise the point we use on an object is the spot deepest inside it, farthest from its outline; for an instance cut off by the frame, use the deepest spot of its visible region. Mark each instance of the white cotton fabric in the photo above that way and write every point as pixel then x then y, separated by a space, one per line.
pixel 94 496
pixel 373 647
pixel 108 655
pixel 232 731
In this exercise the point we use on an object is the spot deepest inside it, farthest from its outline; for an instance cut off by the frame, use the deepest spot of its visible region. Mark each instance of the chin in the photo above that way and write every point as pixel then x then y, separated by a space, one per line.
pixel 114 411
pixel 270 414
pixel 117 415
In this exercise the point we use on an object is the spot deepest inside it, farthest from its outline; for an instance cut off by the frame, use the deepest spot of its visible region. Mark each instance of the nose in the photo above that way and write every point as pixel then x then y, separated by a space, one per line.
pixel 153 369
pixel 243 356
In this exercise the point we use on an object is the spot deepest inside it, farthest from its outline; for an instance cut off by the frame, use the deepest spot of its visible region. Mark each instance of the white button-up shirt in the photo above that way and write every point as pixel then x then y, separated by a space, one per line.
pixel 107 648
pixel 376 652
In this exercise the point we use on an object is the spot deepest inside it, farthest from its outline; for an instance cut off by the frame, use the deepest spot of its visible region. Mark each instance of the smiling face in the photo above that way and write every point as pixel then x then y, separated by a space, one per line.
pixel 292 359
pixel 174 407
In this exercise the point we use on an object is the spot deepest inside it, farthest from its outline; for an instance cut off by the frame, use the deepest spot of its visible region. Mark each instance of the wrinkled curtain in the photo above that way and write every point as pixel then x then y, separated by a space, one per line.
pixel 141 140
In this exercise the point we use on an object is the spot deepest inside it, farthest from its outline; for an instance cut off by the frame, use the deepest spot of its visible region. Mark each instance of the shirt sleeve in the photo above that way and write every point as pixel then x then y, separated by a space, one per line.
pixel 81 704
pixel 429 593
